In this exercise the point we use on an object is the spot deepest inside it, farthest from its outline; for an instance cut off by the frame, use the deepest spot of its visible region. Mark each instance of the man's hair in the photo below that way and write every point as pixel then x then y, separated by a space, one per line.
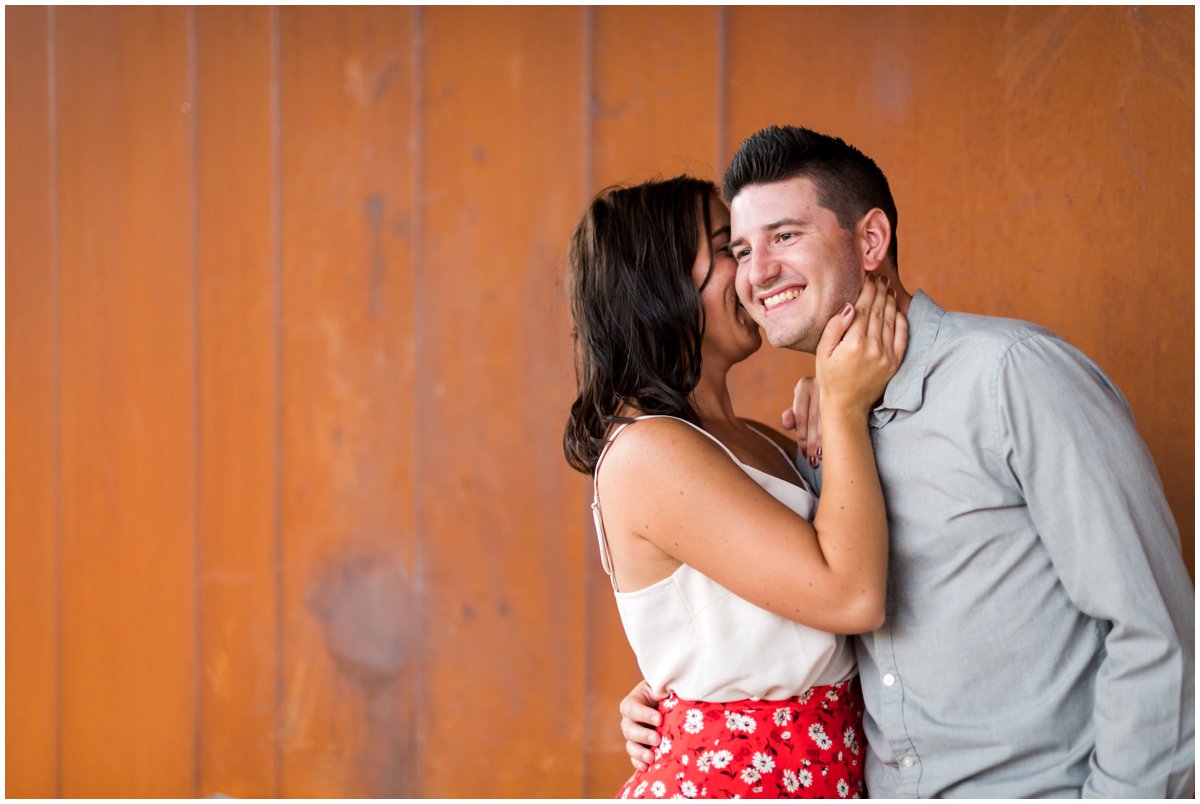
pixel 849 184
pixel 638 317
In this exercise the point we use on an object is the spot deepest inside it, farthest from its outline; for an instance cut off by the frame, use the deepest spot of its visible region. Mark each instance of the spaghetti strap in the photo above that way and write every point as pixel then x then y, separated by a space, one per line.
pixel 605 555
pixel 790 460
pixel 597 518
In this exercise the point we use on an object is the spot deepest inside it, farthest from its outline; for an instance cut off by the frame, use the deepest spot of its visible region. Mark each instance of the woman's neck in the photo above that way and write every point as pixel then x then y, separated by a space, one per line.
pixel 710 399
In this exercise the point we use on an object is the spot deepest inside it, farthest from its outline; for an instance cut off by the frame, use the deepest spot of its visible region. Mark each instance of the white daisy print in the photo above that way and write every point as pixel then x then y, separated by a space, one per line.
pixel 790 781
pixel 664 747
pixel 843 788
pixel 641 788
pixel 721 759
pixel 625 793
pixel 683 760
pixel 688 789
pixel 669 703
pixel 783 716
pixel 694 721
pixel 750 775
pixel 763 763
pixel 804 696
pixel 851 740
pixel 817 732
pixel 785 735
pixel 831 695
pixel 658 789
pixel 737 722
pixel 704 761
pixel 804 777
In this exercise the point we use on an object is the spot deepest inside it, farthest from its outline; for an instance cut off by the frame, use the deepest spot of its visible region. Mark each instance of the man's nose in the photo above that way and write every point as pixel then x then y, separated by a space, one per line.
pixel 763 269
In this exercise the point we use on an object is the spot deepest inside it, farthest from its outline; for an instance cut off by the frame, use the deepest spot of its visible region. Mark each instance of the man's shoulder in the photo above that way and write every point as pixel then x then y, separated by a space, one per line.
pixel 990 329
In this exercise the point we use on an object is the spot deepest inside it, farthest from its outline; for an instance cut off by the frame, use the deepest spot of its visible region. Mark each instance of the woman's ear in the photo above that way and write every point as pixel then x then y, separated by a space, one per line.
pixel 872 237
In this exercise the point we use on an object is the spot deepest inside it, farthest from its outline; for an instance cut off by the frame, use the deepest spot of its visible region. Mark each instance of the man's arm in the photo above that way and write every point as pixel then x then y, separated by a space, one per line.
pixel 1098 505
pixel 639 719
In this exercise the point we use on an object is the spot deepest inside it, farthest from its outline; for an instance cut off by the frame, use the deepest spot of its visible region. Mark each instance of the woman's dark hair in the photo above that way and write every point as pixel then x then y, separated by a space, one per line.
pixel 638 317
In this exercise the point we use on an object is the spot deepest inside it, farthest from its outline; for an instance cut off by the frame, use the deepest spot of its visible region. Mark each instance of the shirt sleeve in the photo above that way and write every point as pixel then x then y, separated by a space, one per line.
pixel 1094 496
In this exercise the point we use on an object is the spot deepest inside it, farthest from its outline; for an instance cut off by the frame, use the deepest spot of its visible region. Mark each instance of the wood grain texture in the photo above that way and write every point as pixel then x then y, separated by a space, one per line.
pixel 30 446
pixel 655 113
pixel 349 647
pixel 500 510
pixel 239 399
pixel 128 404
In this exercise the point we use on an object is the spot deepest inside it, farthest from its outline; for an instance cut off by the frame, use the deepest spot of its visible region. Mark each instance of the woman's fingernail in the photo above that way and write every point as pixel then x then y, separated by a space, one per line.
pixel 818 453
pixel 885 280
pixel 846 310
pixel 813 462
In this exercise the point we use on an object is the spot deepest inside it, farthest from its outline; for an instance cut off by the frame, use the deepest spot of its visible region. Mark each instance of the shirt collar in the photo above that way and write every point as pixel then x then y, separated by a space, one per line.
pixel 907 388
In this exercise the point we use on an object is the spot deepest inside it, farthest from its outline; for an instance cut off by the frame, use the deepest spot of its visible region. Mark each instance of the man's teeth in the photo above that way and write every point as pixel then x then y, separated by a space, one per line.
pixel 780 298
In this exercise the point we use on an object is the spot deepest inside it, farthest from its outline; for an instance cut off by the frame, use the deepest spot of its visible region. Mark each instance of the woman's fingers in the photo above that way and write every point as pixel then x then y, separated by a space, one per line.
pixel 900 336
pixel 878 305
pixel 836 329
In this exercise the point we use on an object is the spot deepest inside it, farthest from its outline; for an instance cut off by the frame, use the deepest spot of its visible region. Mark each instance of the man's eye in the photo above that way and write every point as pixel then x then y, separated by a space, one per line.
pixel 785 236
pixel 741 254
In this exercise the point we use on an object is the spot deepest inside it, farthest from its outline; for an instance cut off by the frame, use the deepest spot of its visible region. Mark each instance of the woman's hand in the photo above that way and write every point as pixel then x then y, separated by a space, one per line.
pixel 804 416
pixel 861 348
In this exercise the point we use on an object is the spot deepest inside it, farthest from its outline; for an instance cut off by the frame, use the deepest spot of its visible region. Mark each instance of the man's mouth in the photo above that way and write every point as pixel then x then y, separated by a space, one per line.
pixel 782 296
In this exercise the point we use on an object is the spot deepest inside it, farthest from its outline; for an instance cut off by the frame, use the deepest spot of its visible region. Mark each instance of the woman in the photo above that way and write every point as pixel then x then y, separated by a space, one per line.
pixel 731 598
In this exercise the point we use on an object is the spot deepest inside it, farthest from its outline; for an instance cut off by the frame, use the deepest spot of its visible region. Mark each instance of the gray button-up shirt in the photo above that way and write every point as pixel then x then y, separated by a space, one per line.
pixel 1040 625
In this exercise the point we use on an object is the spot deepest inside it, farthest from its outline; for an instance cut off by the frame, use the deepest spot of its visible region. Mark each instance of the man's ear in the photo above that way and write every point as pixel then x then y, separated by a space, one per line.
pixel 872 237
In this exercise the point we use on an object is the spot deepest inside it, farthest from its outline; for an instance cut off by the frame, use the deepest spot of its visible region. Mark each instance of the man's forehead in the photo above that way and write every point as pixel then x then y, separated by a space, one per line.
pixel 764 204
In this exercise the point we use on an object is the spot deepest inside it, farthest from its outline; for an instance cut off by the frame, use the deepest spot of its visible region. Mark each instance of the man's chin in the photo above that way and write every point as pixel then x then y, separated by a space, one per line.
pixel 789 340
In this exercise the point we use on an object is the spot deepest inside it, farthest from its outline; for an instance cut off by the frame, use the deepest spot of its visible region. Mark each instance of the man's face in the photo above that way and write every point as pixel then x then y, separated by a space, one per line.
pixel 796 265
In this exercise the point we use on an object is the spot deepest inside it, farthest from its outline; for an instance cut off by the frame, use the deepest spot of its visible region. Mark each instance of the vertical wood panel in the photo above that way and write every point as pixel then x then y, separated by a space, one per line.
pixel 348 384
pixel 655 100
pixel 238 401
pixel 501 514
pixel 1030 173
pixel 30 596
pixel 128 404
pixel 654 114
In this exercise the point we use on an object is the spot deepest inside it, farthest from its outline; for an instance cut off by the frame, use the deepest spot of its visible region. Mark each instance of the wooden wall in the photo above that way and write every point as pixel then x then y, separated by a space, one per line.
pixel 288 360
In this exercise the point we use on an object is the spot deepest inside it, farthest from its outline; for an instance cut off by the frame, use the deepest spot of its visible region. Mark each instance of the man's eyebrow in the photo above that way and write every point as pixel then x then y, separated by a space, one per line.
pixel 771 227
pixel 785 222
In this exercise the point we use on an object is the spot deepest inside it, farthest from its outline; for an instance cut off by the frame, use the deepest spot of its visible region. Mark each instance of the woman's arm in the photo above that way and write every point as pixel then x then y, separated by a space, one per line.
pixel 708 513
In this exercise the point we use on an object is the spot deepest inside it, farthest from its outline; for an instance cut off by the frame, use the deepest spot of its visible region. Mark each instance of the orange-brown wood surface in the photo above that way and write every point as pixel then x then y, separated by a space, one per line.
pixel 30 413
pixel 236 186
pixel 288 359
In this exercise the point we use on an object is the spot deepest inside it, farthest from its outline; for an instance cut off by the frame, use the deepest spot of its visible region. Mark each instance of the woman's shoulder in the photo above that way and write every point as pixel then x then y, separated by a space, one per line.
pixel 656 444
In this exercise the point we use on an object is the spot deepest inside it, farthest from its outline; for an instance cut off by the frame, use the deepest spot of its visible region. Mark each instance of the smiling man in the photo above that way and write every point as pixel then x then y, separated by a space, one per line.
pixel 1039 639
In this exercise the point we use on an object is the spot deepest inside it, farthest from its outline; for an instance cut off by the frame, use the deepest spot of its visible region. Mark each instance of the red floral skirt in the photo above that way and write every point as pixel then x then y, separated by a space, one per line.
pixel 810 746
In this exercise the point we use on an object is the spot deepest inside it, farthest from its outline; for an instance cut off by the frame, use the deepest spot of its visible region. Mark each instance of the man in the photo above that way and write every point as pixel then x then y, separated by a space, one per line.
pixel 1039 639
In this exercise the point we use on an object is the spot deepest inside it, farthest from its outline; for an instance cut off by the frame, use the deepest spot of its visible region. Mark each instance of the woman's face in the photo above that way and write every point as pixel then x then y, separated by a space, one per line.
pixel 730 334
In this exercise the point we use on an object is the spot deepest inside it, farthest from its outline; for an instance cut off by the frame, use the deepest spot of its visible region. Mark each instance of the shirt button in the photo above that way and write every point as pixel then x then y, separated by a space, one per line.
pixel 889 680
pixel 908 761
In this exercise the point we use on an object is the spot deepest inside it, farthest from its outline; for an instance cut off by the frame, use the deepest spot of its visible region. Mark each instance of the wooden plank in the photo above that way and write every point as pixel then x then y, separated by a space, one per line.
pixel 30 592
pixel 501 514
pixel 128 403
pixel 348 311
pixel 1033 153
pixel 656 100
pixel 655 113
pixel 239 396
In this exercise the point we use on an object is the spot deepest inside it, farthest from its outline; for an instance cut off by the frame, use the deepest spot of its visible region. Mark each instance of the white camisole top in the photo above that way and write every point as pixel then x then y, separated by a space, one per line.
pixel 697 639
